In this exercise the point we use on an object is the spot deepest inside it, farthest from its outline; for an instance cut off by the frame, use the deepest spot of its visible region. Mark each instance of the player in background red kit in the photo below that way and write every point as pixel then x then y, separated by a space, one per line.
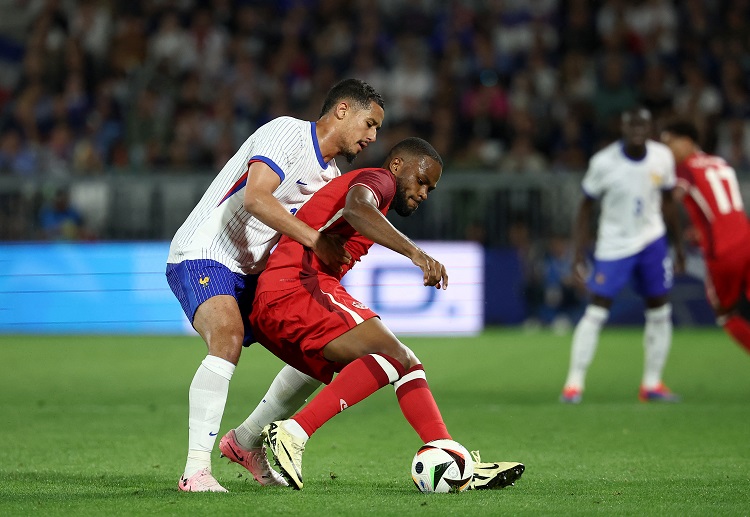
pixel 708 187
pixel 303 314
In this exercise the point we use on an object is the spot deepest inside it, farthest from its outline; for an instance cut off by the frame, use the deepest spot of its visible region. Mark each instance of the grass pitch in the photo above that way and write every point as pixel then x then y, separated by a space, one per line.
pixel 97 425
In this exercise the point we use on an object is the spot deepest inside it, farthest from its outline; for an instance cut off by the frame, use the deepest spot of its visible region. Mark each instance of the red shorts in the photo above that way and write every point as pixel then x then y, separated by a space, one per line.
pixel 727 278
pixel 297 323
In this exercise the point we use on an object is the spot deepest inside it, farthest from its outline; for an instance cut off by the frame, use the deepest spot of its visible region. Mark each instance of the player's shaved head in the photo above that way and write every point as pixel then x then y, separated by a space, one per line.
pixel 359 93
pixel 638 114
pixel 413 147
pixel 636 127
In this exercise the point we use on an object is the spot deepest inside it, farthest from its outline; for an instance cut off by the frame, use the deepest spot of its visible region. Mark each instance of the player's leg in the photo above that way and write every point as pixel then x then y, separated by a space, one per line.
pixel 725 282
pixel 737 327
pixel 368 351
pixel 287 394
pixel 373 356
pixel 418 404
pixel 653 280
pixel 206 291
pixel 244 445
pixel 606 280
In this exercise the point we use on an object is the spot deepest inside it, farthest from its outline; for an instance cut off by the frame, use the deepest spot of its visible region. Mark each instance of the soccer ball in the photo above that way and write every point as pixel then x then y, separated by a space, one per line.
pixel 442 466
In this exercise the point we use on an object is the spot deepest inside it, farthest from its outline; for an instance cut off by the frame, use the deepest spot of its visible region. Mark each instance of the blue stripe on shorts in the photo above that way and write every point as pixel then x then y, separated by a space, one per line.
pixel 195 281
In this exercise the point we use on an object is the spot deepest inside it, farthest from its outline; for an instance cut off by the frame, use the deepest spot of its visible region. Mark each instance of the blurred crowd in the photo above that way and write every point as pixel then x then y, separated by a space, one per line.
pixel 96 86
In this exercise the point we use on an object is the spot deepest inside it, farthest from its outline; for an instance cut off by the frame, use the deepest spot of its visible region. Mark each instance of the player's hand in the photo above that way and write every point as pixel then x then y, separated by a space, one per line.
pixel 434 272
pixel 580 270
pixel 330 250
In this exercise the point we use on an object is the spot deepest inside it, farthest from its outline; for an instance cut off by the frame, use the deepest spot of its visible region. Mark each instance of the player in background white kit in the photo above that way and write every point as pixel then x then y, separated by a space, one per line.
pixel 217 254
pixel 633 180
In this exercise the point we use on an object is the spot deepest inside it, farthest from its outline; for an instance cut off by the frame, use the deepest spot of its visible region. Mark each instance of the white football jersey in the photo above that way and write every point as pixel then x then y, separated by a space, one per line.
pixel 630 194
pixel 219 228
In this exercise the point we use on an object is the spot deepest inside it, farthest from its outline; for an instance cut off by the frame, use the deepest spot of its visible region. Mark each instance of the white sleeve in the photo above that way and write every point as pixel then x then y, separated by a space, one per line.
pixel 593 182
pixel 278 144
pixel 670 175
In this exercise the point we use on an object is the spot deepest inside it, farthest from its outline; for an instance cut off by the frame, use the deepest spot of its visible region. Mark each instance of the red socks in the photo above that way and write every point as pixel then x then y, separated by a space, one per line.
pixel 739 329
pixel 356 381
pixel 418 405
pixel 363 377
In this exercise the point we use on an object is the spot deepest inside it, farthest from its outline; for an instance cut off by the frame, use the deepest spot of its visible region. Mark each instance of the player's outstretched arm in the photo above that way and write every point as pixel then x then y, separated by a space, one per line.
pixel 361 211
pixel 671 215
pixel 261 203
pixel 581 238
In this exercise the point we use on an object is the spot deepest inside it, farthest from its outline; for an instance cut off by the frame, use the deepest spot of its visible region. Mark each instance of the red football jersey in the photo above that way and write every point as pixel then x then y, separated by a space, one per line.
pixel 324 212
pixel 714 203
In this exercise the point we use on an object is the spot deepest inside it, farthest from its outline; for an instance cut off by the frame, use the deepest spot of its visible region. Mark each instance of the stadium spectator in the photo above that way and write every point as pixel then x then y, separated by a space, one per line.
pixel 633 179
pixel 17 158
pixel 708 186
pixel 59 220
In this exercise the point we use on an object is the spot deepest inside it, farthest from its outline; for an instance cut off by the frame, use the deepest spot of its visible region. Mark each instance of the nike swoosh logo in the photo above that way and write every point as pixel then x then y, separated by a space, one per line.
pixel 212 434
pixel 300 182
pixel 296 470
pixel 239 457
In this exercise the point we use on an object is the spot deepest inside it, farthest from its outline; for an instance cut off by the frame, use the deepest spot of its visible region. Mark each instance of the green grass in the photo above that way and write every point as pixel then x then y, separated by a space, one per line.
pixel 98 426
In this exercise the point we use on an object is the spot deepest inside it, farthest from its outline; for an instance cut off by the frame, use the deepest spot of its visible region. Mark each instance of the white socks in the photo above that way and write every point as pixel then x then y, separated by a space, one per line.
pixel 585 341
pixel 208 396
pixel 288 392
pixel 657 339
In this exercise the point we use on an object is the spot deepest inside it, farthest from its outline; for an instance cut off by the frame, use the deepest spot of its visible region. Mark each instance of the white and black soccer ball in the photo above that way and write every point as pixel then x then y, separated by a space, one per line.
pixel 442 466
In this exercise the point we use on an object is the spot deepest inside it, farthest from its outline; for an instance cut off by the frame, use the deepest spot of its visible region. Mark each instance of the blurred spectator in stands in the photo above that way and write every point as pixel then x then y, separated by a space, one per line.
pixel 656 89
pixel 695 97
pixel 207 45
pixel 147 129
pixel 614 95
pixel 130 43
pixel 522 157
pixel 571 147
pixel 734 143
pixel 410 82
pixel 530 254
pixel 57 154
pixel 577 31
pixel 170 49
pixel 91 24
pixel 563 300
pixel 59 220
pixel 17 157
pixel 484 106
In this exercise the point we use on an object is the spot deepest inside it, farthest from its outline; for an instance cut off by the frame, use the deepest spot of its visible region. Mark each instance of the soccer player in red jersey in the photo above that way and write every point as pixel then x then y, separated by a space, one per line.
pixel 303 314
pixel 709 189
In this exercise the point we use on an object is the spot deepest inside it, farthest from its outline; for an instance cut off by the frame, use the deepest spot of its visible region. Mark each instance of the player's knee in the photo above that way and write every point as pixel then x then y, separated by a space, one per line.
pixel 224 338
pixel 403 355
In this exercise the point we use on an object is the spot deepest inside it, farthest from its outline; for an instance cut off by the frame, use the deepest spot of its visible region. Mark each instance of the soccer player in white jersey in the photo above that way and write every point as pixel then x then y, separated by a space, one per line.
pixel 633 180
pixel 216 256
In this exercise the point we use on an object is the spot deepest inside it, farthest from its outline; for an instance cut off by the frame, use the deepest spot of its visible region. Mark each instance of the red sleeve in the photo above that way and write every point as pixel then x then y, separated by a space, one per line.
pixel 685 176
pixel 381 183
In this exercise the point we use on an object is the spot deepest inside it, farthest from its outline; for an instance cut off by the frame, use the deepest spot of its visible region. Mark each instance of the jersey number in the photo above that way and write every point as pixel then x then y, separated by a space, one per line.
pixel 726 191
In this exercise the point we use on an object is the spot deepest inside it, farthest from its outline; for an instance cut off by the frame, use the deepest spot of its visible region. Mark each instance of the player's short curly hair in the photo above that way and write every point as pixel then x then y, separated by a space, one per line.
pixel 682 128
pixel 361 93
pixel 415 147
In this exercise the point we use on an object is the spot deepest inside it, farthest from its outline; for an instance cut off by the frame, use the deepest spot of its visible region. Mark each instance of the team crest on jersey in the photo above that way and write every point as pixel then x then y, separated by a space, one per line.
pixel 360 305
pixel 656 178
pixel 599 278
pixel 204 280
